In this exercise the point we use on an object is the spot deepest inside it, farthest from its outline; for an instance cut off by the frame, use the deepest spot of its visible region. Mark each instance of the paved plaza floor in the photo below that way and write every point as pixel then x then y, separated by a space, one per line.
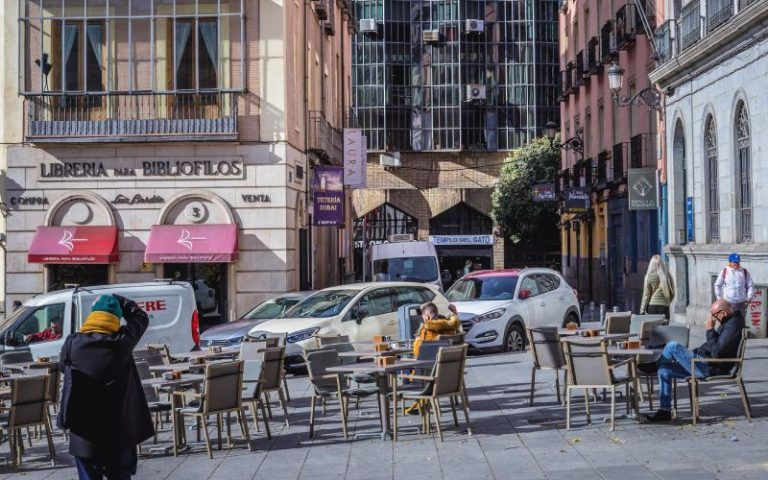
pixel 512 440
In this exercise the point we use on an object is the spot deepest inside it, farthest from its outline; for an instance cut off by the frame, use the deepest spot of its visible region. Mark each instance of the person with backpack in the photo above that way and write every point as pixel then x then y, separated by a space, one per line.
pixel 103 404
pixel 734 285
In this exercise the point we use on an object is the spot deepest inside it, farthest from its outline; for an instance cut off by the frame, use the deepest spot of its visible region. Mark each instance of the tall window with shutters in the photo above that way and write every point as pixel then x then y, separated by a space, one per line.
pixel 713 200
pixel 744 174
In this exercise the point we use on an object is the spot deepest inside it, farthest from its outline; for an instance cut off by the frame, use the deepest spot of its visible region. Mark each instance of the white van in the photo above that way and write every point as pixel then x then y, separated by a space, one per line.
pixel 412 261
pixel 359 310
pixel 38 328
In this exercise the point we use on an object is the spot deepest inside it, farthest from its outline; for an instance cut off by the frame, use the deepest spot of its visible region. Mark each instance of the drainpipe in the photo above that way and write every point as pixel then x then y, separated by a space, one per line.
pixel 309 171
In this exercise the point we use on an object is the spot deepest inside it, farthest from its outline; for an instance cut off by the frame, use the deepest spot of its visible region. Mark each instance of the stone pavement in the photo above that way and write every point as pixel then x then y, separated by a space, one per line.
pixel 512 440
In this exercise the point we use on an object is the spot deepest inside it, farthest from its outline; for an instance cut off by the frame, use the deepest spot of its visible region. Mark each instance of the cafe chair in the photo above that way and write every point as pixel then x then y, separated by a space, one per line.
pixel 156 406
pixel 648 365
pixel 163 350
pixel 271 375
pixel 617 322
pixel 637 321
pixel 733 376
pixel 53 392
pixel 446 380
pixel 29 408
pixel 327 385
pixel 330 339
pixel 452 338
pixel 252 398
pixel 252 351
pixel 547 353
pixel 221 395
pixel 589 368
pixel 152 356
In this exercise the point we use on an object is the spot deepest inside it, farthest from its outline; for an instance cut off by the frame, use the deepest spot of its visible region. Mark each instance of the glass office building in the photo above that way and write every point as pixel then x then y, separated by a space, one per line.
pixel 454 75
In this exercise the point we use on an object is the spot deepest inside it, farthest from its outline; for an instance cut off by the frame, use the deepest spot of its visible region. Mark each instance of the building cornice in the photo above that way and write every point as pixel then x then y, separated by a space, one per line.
pixel 755 252
pixel 709 51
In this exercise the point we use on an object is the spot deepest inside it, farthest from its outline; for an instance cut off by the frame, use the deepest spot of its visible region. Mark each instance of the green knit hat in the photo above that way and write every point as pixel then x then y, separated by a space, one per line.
pixel 109 304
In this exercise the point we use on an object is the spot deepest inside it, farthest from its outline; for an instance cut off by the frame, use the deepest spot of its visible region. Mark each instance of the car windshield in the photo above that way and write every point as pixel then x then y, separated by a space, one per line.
pixel 322 304
pixel 482 288
pixel 406 269
pixel 16 314
pixel 272 308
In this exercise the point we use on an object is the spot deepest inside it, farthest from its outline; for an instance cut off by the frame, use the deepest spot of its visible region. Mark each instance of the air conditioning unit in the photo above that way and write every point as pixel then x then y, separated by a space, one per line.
pixel 473 25
pixel 390 160
pixel 430 36
pixel 475 92
pixel 368 25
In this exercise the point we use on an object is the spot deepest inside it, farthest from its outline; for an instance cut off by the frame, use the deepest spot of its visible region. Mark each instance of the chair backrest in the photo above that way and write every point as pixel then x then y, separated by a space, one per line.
pixel 661 335
pixel 250 350
pixel 453 338
pixel 428 349
pixel 52 395
pixel 28 401
pixel 617 322
pixel 343 348
pixel 144 373
pixel 738 366
pixel 152 356
pixel 636 323
pixel 272 368
pixel 318 361
pixel 449 369
pixel 325 340
pixel 162 350
pixel 587 362
pixel 546 349
pixel 223 387
pixel 251 378
pixel 646 327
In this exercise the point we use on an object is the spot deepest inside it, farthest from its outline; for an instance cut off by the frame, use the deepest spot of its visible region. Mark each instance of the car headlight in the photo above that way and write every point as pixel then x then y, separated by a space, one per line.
pixel 236 340
pixel 300 335
pixel 492 315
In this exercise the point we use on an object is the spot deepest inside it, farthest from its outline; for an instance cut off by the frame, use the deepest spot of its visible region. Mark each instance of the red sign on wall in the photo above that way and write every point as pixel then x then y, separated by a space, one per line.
pixel 756 312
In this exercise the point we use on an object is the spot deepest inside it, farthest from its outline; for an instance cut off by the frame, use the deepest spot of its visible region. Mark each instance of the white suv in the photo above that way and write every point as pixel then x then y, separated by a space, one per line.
pixel 496 306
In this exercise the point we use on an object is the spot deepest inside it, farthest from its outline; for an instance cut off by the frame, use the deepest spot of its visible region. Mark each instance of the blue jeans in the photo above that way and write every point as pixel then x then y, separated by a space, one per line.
pixel 675 363
pixel 122 467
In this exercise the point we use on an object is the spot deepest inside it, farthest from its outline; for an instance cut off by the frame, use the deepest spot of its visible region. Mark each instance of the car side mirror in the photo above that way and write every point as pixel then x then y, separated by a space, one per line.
pixel 360 315
pixel 524 293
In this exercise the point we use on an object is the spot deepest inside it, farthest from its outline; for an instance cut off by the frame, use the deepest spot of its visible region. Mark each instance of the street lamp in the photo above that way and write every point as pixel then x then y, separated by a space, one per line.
pixel 575 144
pixel 650 97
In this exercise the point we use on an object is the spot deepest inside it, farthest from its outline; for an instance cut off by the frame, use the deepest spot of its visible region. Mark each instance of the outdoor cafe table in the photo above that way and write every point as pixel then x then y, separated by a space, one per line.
pixel 567 337
pixel 18 367
pixel 225 352
pixel 183 366
pixel 370 353
pixel 382 373
pixel 185 382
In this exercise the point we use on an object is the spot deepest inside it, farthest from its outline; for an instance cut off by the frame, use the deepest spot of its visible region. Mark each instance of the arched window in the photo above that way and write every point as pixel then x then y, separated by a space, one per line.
pixel 743 175
pixel 713 202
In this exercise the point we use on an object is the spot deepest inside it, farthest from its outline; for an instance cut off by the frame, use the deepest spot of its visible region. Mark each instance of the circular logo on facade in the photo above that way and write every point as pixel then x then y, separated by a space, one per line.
pixel 195 212
pixel 80 213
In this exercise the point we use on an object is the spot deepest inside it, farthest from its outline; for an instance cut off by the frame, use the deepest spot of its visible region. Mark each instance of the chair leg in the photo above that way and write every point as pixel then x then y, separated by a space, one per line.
pixel 453 411
pixel 649 384
pixel 533 384
pixel 464 396
pixel 744 398
pixel 695 404
pixel 465 408
pixel 218 430
pixel 266 420
pixel 312 417
pixel 674 394
pixel 244 428
pixel 229 429
pixel 12 446
pixel 175 428
pixel 48 435
pixel 613 408
pixel 586 402
pixel 344 403
pixel 568 408
pixel 285 389
pixel 437 418
pixel 394 415
pixel 253 406
pixel 207 436
pixel 267 401
pixel 565 385
pixel 281 397
pixel 557 386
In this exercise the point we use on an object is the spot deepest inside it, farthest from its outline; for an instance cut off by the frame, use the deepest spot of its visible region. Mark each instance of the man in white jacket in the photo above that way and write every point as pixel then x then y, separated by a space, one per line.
pixel 734 285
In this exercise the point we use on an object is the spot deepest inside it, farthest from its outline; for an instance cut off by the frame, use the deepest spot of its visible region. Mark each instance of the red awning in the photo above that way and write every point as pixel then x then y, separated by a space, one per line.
pixel 90 244
pixel 191 244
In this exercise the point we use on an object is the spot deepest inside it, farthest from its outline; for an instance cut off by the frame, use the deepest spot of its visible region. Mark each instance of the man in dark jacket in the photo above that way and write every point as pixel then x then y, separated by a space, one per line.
pixel 106 410
pixel 675 362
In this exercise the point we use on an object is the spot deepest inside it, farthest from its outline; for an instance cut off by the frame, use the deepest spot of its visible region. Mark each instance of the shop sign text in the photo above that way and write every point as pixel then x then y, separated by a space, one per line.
pixel 256 198
pixel 150 170
pixel 18 201
pixel 442 240
pixel 137 199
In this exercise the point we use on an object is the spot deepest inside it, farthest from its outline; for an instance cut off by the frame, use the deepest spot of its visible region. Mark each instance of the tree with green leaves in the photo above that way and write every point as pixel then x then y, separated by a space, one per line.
pixel 524 222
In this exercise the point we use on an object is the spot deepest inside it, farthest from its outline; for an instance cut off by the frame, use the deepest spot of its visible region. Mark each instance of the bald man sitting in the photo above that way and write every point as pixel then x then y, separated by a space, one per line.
pixel 675 362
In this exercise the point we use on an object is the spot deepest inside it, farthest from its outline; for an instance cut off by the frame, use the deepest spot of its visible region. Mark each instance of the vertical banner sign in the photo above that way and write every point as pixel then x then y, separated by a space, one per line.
pixel 328 193
pixel 689 218
pixel 643 189
pixel 756 312
pixel 577 200
pixel 354 158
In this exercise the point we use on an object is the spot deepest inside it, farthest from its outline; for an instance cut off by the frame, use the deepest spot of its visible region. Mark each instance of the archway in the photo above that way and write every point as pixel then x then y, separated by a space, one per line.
pixel 376 227
pixel 683 231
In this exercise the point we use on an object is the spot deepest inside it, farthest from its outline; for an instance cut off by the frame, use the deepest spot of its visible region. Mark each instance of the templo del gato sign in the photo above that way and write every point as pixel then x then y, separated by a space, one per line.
pixel 123 169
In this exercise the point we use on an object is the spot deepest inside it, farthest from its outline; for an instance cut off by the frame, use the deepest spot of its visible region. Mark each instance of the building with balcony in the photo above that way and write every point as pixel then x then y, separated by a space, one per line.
pixel 716 60
pixel 605 249
pixel 448 87
pixel 172 139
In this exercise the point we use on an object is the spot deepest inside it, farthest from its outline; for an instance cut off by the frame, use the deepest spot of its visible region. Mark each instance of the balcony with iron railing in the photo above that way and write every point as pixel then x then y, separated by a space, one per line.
pixel 594 63
pixel 690 24
pixel 602 169
pixel 608 43
pixel 718 12
pixel 642 148
pixel 665 40
pixel 582 72
pixel 131 117
pixel 573 84
pixel 626 26
pixel 619 163
pixel 323 139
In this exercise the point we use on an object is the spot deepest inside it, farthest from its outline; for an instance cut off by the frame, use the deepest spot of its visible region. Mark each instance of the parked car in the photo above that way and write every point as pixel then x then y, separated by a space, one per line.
pixel 495 306
pixel 359 310
pixel 233 333
pixel 173 318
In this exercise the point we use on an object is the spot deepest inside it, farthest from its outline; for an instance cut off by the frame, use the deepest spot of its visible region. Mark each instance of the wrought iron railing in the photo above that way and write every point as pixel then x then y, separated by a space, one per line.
pixel 602 168
pixel 131 116
pixel 619 162
pixel 582 74
pixel 626 25
pixel 608 42
pixel 594 64
pixel 642 148
pixel 323 139
pixel 718 12
pixel 690 24
pixel 664 41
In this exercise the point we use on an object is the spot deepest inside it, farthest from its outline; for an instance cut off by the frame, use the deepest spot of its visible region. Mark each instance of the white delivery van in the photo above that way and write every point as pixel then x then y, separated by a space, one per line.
pixel 411 261
pixel 38 328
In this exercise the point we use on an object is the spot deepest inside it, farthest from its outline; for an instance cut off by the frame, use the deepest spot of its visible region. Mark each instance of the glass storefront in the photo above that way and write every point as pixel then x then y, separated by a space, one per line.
pixel 84 275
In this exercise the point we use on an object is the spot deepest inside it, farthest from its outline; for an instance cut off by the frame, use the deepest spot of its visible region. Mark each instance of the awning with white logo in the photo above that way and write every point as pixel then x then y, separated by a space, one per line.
pixel 86 244
pixel 191 244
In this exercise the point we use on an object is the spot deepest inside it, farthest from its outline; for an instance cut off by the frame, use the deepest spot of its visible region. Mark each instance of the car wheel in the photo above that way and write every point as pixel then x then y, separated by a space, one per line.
pixel 571 318
pixel 515 341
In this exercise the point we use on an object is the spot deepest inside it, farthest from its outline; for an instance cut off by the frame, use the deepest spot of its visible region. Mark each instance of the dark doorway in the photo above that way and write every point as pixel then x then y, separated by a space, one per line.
pixel 209 281
pixel 375 227
pixel 84 275
pixel 305 282
pixel 616 260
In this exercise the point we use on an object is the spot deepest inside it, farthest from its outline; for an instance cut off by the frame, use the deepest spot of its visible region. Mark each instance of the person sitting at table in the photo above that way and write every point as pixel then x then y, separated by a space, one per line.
pixel 103 403
pixel 675 362
pixel 51 333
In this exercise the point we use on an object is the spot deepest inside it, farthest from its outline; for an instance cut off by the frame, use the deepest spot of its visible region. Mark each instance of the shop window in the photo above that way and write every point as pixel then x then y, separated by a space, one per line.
pixel 195 55
pixel 461 220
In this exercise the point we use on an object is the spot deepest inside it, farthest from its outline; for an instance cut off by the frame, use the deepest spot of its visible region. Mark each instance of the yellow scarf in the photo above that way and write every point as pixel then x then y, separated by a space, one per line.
pixel 101 322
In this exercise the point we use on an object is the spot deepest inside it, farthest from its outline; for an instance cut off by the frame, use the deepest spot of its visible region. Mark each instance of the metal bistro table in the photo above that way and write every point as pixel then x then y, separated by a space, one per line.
pixel 382 374
pixel 185 382
pixel 225 352
pixel 184 366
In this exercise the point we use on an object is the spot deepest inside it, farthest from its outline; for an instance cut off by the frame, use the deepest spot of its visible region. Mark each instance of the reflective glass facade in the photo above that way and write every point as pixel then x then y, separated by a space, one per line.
pixel 455 74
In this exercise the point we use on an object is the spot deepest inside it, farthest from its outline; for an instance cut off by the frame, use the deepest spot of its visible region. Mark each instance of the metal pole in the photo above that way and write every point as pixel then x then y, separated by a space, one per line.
pixel 365 248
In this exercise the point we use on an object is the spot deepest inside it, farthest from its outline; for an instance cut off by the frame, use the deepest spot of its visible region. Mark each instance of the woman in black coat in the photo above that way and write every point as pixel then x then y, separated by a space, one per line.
pixel 105 409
